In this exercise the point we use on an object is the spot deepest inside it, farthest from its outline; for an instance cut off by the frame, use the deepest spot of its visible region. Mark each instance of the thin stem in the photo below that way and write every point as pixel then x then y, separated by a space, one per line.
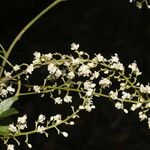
pixel 6 61
pixel 18 37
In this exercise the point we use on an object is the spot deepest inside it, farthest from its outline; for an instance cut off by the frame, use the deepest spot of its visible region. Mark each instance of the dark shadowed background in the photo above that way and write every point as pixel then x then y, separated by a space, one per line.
pixel 99 26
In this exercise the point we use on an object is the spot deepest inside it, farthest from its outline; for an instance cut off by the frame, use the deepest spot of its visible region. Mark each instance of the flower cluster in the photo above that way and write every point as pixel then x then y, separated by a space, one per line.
pixel 84 75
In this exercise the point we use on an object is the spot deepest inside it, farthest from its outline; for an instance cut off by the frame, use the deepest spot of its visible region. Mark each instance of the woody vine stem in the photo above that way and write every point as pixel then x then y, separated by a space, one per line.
pixel 78 73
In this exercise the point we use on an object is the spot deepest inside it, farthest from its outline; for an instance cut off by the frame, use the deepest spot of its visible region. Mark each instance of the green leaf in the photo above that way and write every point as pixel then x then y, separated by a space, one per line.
pixel 4 130
pixel 7 103
pixel 9 112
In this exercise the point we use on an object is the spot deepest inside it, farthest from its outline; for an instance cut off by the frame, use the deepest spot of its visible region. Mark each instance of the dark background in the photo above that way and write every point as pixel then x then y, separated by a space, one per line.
pixel 99 26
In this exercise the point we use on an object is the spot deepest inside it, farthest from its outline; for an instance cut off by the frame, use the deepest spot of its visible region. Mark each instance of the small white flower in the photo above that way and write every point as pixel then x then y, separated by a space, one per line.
pixel 10 89
pixel 81 107
pixel 113 95
pixel 89 92
pixel 7 74
pixel 75 61
pixel 29 145
pixel 65 134
pixel 36 88
pixel 56 118
pixel 71 75
pixel 89 107
pixel 4 93
pixel 71 122
pixel 52 68
pixel 37 55
pixel 99 57
pixel 16 67
pixel 68 99
pixel 117 66
pixel 22 120
pixel 58 100
pixel 114 59
pixel 22 126
pixel 74 46
pixel 84 70
pixel 135 106
pixel 142 116
pixel 58 73
pixel 95 75
pixel 10 147
pixel 145 89
pixel 41 118
pixel 134 68
pixel 126 95
pixel 125 110
pixel 48 56
pixel 41 129
pixel 30 69
pixel 104 82
pixel 122 86
pixel 118 105
pixel 12 128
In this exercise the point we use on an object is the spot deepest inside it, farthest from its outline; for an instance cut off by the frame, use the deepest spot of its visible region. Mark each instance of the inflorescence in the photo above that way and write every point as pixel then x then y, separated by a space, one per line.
pixel 78 73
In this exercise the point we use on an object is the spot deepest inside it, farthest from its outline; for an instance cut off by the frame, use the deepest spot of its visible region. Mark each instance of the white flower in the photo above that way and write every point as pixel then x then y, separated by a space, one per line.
pixel 16 67
pixel 58 73
pixel 113 95
pixel 145 89
pixel 142 116
pixel 41 129
pixel 65 134
pixel 118 105
pixel 84 70
pixel 95 75
pixel 68 99
pixel 56 118
pixel 135 106
pixel 58 100
pixel 126 95
pixel 71 75
pixel 30 68
pixel 4 93
pixel 117 66
pixel 52 68
pixel 88 85
pixel 48 56
pixel 10 89
pixel 104 82
pixel 99 57
pixel 22 126
pixel 125 110
pixel 135 69
pixel 29 145
pixel 71 122
pixel 12 128
pixel 7 74
pixel 89 107
pixel 37 55
pixel 89 92
pixel 36 88
pixel 75 61
pixel 114 59
pixel 122 86
pixel 74 46
pixel 41 118
pixel 22 120
pixel 10 147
